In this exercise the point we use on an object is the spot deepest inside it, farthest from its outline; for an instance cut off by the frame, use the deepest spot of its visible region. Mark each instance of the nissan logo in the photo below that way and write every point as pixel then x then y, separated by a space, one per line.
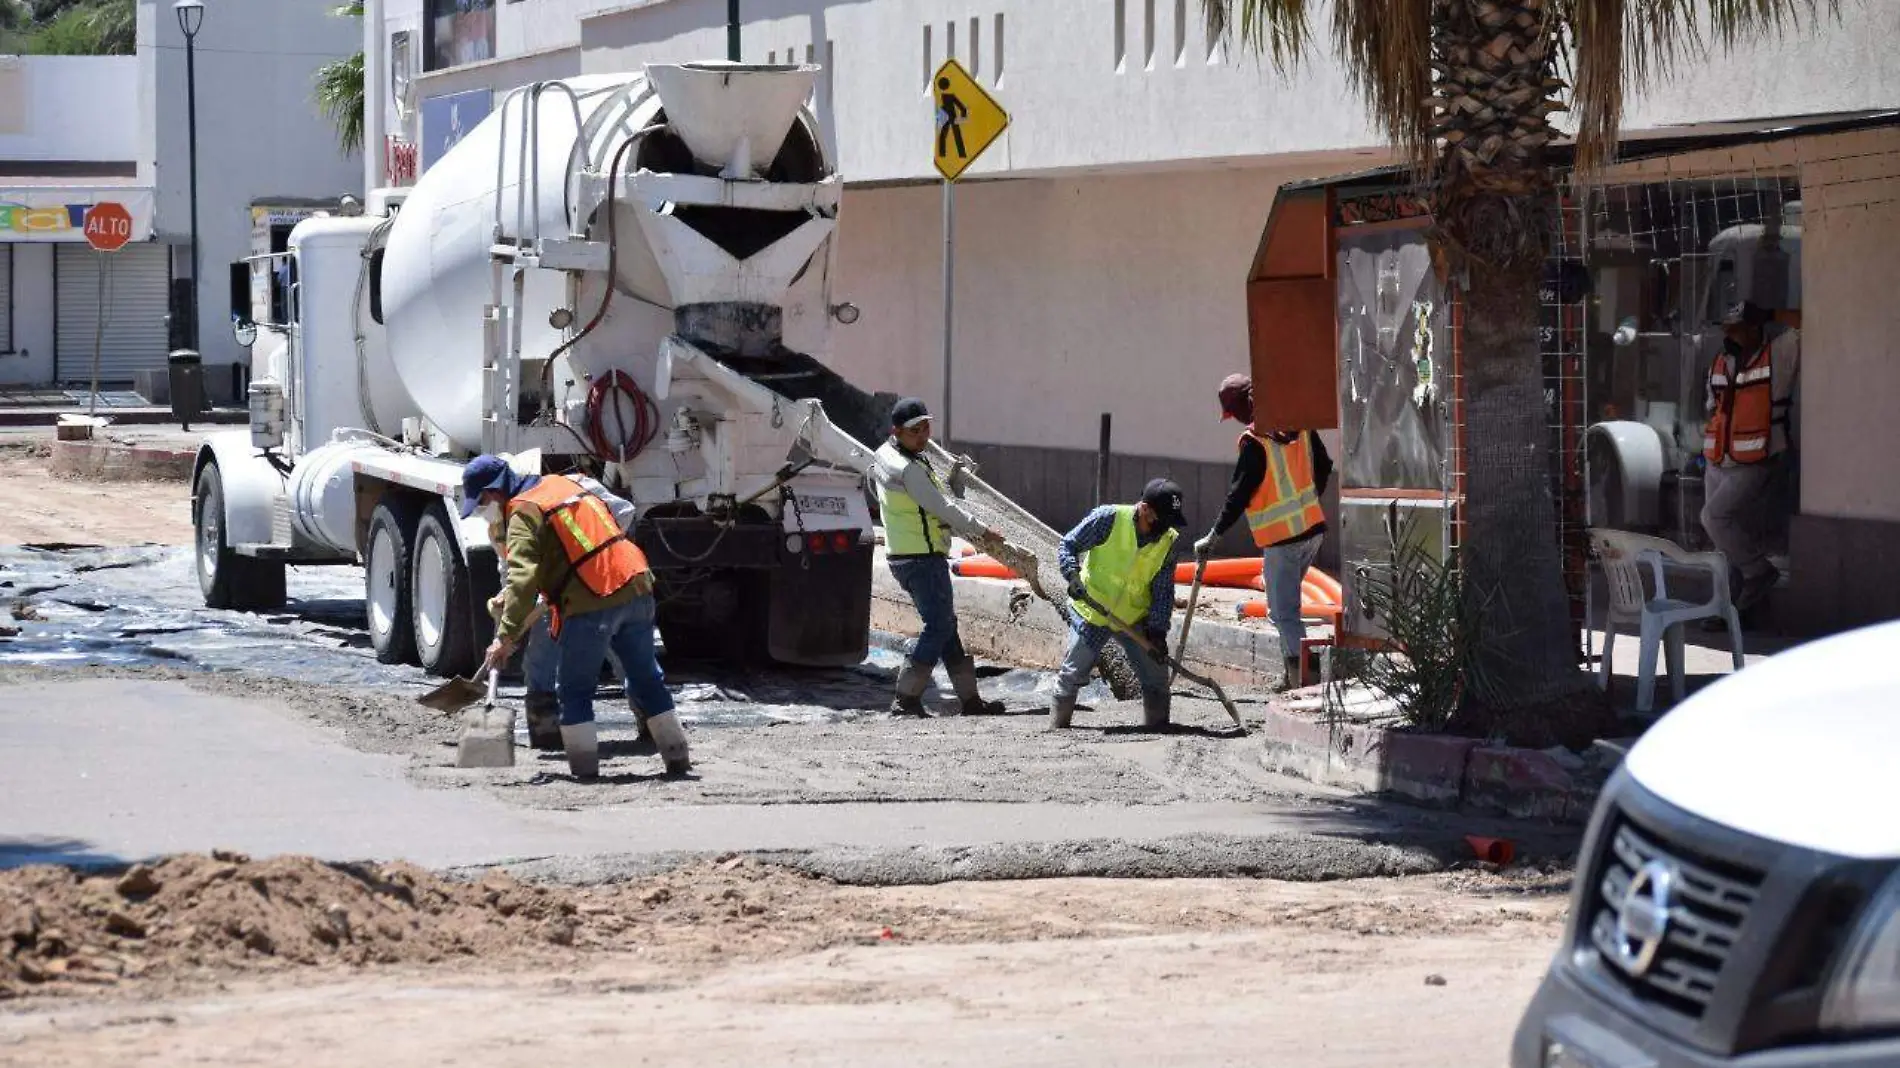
pixel 1642 919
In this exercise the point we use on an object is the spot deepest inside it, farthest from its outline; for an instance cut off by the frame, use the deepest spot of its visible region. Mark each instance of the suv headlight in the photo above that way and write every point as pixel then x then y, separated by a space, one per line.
pixel 1865 992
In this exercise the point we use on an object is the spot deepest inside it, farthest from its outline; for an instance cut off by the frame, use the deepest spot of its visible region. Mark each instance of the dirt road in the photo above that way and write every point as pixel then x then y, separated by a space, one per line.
pixel 37 507
pixel 743 964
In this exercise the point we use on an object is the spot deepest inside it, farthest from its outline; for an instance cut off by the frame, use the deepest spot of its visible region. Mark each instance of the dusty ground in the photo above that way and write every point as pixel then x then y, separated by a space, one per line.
pixel 735 962
pixel 37 507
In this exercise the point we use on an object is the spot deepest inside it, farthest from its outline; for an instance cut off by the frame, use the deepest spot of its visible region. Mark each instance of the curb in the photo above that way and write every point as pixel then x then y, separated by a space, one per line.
pixel 1434 770
pixel 1000 619
pixel 109 461
pixel 119 417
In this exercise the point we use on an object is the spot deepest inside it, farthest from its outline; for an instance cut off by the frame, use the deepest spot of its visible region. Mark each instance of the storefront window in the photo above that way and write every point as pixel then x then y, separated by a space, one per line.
pixel 460 31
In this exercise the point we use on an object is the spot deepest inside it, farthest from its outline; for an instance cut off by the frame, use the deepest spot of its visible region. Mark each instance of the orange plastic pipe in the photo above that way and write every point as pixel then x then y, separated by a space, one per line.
pixel 981 567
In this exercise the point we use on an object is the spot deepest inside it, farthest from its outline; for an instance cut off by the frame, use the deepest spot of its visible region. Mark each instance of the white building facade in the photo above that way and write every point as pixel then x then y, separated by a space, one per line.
pixel 1102 245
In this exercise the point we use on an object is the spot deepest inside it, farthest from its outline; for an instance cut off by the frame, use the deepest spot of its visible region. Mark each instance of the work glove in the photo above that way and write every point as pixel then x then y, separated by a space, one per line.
pixel 1076 590
pixel 1203 547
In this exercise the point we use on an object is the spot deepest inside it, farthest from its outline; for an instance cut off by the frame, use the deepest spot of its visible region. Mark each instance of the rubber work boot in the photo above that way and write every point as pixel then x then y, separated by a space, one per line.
pixel 1291 680
pixel 582 742
pixel 544 721
pixel 911 683
pixel 671 739
pixel 1154 710
pixel 1061 711
pixel 963 681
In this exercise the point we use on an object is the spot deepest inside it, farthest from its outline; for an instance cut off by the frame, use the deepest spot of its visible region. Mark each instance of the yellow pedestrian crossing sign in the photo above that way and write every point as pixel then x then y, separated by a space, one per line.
pixel 969 120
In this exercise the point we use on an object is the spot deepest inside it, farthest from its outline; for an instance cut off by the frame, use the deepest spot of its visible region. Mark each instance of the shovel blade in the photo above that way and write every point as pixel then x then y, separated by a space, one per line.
pixel 453 695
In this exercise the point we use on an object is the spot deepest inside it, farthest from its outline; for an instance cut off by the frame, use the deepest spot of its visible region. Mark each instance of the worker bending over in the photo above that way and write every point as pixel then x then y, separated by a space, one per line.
pixel 1277 482
pixel 540 660
pixel 564 545
pixel 1745 441
pixel 918 521
pixel 1126 565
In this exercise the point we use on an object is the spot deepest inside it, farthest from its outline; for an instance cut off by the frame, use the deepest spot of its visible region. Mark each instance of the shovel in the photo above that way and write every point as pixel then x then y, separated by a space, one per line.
pixel 1135 636
pixel 1194 598
pixel 457 694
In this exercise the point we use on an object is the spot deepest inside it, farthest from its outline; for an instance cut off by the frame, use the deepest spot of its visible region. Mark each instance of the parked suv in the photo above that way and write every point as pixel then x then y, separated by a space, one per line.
pixel 1737 899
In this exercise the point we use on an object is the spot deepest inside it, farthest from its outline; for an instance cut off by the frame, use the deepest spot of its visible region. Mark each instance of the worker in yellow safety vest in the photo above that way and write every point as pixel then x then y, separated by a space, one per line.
pixel 1277 482
pixel 1746 443
pixel 1121 557
pixel 918 521
pixel 565 546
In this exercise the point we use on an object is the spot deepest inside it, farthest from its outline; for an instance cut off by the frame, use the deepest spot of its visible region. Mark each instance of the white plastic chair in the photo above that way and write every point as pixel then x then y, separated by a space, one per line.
pixel 1658 620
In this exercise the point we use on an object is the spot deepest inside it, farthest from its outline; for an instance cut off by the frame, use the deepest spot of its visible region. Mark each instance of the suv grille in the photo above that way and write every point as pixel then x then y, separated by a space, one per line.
pixel 1708 903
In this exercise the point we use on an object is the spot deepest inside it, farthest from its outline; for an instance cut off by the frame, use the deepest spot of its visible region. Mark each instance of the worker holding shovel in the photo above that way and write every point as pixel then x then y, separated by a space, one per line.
pixel 1119 561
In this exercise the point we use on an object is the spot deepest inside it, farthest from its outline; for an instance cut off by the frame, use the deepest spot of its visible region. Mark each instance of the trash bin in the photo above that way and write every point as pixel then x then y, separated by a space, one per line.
pixel 187 378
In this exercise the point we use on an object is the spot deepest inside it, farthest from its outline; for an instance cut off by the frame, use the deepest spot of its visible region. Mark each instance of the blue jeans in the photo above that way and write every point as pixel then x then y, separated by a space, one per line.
pixel 1085 648
pixel 1284 566
pixel 927 580
pixel 586 639
pixel 541 659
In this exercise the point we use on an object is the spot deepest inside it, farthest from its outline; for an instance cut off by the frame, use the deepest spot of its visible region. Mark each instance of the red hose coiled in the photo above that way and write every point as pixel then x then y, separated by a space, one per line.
pixel 632 439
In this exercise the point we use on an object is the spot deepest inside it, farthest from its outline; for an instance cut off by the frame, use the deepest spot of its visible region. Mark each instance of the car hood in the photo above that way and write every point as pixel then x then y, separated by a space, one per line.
pixel 1799 748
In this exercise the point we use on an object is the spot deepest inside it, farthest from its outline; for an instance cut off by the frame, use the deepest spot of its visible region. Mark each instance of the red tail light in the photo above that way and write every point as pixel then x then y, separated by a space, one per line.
pixel 815 542
pixel 841 541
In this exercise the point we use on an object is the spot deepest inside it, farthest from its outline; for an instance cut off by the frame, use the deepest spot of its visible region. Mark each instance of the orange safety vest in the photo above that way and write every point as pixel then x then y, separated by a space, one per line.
pixel 1742 426
pixel 1285 504
pixel 598 552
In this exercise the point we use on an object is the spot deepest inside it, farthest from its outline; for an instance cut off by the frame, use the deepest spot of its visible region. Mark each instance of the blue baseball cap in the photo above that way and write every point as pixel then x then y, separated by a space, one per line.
pixel 483 473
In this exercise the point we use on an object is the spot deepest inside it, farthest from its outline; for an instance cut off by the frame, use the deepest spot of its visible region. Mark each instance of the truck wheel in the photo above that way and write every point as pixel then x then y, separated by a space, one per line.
pixel 439 594
pixel 226 579
pixel 392 527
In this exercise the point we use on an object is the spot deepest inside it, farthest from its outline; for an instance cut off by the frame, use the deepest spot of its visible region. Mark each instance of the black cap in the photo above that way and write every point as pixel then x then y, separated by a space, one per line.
pixel 908 413
pixel 1165 498
pixel 1746 312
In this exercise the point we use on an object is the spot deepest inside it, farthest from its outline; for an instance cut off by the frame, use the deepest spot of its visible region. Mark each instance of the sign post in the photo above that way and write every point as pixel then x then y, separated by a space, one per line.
pixel 108 228
pixel 969 120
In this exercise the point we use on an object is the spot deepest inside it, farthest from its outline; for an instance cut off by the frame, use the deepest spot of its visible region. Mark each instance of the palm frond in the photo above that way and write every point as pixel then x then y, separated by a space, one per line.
pixel 339 96
pixel 1623 46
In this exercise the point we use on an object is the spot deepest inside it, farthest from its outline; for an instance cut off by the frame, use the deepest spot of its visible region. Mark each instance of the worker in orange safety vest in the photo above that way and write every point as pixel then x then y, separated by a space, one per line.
pixel 564 545
pixel 1746 443
pixel 1277 482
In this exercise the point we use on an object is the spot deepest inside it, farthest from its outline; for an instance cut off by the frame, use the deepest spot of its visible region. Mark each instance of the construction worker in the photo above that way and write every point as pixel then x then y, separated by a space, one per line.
pixel 918 521
pixel 564 545
pixel 1745 443
pixel 1277 482
pixel 1121 557
pixel 540 660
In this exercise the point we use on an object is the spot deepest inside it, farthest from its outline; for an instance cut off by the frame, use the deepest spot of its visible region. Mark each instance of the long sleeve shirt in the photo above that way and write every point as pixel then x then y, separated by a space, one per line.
pixel 1093 530
pixel 1251 467
pixel 909 472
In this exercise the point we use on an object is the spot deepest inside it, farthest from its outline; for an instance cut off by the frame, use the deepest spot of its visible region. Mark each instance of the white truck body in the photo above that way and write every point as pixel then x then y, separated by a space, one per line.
pixel 608 270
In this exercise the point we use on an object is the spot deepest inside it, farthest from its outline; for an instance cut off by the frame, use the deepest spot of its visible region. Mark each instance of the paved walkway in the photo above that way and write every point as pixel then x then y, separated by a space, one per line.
pixel 111 770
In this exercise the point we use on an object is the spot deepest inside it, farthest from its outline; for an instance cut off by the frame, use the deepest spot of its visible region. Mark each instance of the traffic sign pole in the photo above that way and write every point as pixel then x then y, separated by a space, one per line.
pixel 969 120
pixel 949 293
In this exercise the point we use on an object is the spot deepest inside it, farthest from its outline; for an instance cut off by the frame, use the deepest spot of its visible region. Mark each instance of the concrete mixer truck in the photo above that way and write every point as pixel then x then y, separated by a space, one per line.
pixel 627 274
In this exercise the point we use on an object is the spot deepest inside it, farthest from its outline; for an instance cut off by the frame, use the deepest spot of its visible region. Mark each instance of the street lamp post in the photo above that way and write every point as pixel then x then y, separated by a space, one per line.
pixel 191 15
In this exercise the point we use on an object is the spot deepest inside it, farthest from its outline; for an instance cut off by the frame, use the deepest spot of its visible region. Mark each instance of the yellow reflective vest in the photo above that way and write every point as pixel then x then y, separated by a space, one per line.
pixel 1119 573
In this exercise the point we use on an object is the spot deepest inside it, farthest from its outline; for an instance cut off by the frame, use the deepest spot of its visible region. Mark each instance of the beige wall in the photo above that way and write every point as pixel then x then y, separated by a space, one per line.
pixel 1850 378
pixel 1121 294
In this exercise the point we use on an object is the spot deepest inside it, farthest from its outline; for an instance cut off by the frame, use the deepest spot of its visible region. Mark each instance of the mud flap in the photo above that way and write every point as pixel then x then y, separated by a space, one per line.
pixel 820 616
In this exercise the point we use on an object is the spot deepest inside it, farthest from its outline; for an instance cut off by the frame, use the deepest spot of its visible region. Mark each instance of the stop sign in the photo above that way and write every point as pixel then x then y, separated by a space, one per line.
pixel 108 226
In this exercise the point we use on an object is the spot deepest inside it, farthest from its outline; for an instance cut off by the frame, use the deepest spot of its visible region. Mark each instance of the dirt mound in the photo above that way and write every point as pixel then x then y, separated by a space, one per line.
pixel 199 916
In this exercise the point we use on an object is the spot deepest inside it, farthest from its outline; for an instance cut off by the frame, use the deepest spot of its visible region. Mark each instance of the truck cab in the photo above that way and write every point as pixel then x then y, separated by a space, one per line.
pixel 1737 896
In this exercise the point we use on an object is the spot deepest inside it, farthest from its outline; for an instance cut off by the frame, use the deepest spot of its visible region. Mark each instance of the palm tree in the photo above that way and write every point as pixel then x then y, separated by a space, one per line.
pixel 339 89
pixel 1465 89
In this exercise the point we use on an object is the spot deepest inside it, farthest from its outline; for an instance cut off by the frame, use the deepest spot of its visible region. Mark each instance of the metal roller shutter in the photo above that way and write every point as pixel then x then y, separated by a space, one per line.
pixel 137 301
pixel 6 297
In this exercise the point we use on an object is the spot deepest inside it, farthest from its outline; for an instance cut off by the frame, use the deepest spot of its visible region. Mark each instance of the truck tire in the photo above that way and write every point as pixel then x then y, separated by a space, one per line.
pixel 441 617
pixel 392 529
pixel 705 616
pixel 226 579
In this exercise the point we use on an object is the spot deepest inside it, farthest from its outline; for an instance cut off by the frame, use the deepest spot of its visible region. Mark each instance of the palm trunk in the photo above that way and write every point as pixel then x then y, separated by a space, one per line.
pixel 1493 59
